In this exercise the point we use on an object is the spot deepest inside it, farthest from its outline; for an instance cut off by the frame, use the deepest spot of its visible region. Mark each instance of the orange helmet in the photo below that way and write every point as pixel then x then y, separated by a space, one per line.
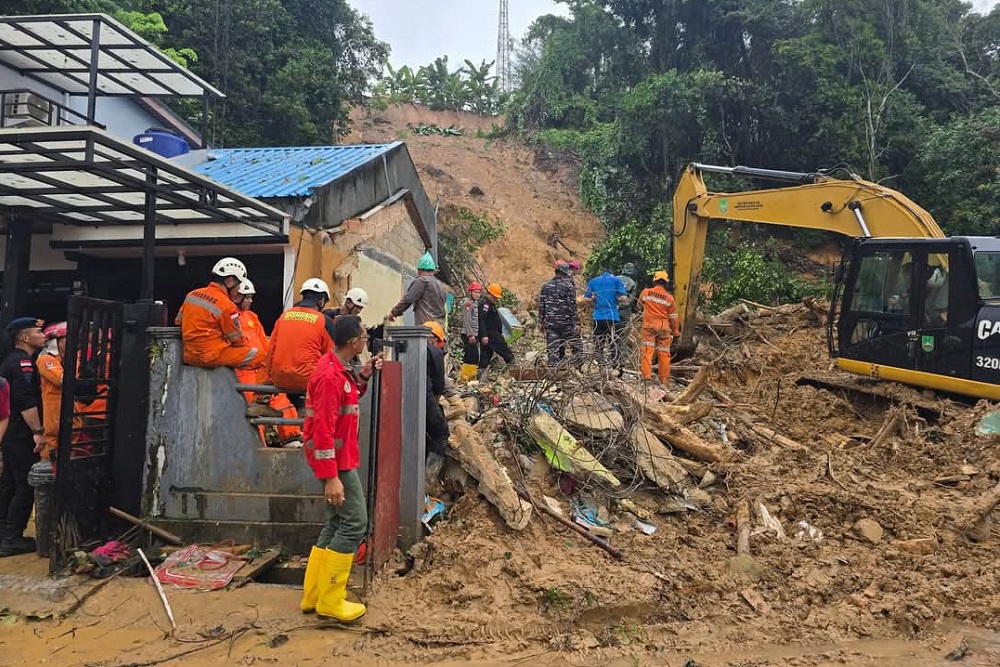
pixel 495 289
pixel 661 275
pixel 436 330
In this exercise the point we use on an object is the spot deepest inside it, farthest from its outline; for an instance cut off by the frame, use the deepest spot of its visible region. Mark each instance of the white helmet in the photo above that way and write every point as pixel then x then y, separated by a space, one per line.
pixel 246 288
pixel 316 285
pixel 230 266
pixel 358 296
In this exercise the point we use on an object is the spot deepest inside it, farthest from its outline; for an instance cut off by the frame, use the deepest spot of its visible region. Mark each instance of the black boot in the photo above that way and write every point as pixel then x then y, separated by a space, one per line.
pixel 11 546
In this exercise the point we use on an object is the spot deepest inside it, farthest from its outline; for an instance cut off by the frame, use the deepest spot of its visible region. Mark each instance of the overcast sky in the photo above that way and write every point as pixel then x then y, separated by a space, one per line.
pixel 421 30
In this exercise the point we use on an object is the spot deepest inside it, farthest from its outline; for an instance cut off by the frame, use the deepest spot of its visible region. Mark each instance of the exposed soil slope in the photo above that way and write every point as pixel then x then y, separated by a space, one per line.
pixel 533 196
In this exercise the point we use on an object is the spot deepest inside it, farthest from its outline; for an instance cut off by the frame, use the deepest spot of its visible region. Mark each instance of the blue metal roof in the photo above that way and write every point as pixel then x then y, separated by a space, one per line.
pixel 287 172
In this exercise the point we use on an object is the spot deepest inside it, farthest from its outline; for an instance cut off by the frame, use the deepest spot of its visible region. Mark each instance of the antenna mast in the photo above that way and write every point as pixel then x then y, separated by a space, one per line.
pixel 504 73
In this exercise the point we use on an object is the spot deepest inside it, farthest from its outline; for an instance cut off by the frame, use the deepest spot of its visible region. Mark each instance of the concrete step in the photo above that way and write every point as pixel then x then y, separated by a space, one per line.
pixel 291 538
pixel 253 507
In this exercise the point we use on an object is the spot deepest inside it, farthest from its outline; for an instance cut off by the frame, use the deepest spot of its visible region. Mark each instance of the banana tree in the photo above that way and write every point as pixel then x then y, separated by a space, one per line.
pixel 482 86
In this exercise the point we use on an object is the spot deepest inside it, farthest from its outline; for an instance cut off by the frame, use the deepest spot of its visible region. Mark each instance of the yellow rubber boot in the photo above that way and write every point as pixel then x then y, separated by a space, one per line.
pixel 310 586
pixel 467 372
pixel 332 601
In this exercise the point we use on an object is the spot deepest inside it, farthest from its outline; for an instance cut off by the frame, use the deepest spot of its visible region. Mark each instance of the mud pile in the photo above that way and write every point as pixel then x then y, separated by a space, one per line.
pixel 884 506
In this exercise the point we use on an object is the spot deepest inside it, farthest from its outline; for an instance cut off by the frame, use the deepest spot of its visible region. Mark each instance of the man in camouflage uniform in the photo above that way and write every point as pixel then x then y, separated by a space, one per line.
pixel 557 315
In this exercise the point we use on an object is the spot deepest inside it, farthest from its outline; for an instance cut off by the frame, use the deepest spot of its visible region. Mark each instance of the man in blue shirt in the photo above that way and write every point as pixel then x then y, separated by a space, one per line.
pixel 606 291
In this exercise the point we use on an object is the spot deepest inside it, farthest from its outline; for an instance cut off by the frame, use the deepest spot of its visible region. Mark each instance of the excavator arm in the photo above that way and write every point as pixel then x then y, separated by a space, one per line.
pixel 852 207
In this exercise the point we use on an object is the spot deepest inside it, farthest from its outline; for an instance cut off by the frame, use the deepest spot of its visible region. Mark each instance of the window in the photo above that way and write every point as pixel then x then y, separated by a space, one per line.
pixel 884 283
pixel 988 273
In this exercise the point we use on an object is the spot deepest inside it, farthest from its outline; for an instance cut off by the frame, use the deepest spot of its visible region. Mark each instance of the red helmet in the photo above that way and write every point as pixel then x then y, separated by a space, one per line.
pixel 57 330
pixel 475 286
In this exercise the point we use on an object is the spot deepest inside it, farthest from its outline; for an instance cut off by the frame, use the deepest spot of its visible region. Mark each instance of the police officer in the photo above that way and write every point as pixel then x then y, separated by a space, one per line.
pixel 25 436
pixel 558 317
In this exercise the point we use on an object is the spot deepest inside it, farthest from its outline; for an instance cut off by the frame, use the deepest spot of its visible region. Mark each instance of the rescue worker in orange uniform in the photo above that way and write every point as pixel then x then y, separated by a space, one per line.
pixel 659 326
pixel 210 321
pixel 300 338
pixel 279 403
pixel 50 372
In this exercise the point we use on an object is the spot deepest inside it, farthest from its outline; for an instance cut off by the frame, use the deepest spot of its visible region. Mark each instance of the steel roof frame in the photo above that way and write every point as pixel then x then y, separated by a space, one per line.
pixel 65 21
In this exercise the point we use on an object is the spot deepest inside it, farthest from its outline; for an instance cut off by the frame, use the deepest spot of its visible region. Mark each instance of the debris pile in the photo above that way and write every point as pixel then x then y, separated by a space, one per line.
pixel 741 500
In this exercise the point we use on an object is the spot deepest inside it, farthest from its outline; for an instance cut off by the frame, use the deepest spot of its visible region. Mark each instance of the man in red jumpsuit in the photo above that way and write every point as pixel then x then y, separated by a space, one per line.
pixel 331 435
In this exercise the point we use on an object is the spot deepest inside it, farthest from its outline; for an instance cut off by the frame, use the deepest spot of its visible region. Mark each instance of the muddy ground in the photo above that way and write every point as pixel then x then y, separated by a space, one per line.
pixel 481 593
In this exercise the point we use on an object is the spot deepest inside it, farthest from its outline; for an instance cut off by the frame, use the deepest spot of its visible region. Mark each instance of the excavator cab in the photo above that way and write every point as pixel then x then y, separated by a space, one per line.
pixel 909 304
pixel 906 310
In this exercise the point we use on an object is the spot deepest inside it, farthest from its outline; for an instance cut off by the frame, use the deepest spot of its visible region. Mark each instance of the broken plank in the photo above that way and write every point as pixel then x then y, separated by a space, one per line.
pixel 253 569
pixel 494 482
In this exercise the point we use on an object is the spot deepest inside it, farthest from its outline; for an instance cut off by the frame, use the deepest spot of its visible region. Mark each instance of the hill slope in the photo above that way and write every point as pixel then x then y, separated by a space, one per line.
pixel 533 196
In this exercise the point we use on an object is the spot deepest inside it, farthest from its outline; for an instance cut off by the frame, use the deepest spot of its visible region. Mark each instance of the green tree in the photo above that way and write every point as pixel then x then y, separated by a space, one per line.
pixel 960 165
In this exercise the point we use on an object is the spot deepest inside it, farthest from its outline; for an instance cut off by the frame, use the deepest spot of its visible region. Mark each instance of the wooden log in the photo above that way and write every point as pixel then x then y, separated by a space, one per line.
pixel 769 435
pixel 694 388
pixel 575 527
pixel 687 440
pixel 891 426
pixel 729 314
pixel 494 482
pixel 658 465
pixel 662 420
pixel 564 452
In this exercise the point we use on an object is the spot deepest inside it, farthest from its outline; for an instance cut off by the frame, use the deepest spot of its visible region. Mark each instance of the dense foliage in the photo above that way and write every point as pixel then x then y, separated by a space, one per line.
pixel 905 92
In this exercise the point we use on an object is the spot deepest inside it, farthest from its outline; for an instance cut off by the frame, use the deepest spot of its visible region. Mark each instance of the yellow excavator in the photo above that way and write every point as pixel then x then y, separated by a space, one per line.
pixel 908 304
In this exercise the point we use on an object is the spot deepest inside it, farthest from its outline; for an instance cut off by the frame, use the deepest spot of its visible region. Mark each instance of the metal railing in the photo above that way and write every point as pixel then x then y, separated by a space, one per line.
pixel 27 108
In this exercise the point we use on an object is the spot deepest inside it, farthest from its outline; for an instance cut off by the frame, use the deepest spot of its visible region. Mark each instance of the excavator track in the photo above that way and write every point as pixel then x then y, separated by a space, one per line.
pixel 890 392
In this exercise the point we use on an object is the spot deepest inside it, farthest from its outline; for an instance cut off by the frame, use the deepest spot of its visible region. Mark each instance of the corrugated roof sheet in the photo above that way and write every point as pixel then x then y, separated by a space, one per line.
pixel 287 172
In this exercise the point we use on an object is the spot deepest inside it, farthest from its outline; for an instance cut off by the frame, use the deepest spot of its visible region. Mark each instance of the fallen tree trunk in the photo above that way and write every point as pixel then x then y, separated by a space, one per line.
pixel 697 385
pixel 767 434
pixel 658 465
pixel 494 482
pixel 665 422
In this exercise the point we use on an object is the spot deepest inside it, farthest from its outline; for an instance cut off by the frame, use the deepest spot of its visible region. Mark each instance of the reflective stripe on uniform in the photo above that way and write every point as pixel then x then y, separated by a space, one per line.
pixel 662 349
pixel 673 317
pixel 338 443
pixel 250 357
pixel 350 409
pixel 207 305
pixel 325 454
pixel 655 299
pixel 647 344
pixel 234 336
pixel 307 412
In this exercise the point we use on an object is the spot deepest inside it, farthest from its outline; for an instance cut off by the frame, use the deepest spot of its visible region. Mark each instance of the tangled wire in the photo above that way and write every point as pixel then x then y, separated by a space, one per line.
pixel 570 390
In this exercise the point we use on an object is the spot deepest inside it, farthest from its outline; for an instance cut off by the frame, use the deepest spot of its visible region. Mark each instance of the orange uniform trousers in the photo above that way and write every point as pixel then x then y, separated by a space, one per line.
pixel 257 337
pixel 656 339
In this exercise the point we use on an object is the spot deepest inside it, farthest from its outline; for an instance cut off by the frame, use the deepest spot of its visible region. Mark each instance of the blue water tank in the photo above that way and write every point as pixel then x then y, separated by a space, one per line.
pixel 162 142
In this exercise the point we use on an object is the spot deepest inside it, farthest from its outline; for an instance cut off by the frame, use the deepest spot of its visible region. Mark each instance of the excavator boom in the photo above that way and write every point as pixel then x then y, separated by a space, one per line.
pixel 852 207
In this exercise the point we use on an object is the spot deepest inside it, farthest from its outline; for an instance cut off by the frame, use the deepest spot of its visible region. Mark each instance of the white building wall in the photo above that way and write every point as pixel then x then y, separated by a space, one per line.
pixel 121 115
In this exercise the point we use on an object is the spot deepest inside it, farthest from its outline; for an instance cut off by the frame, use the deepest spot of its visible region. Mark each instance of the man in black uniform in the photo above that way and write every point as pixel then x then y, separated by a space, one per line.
pixel 24 437
pixel 491 340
